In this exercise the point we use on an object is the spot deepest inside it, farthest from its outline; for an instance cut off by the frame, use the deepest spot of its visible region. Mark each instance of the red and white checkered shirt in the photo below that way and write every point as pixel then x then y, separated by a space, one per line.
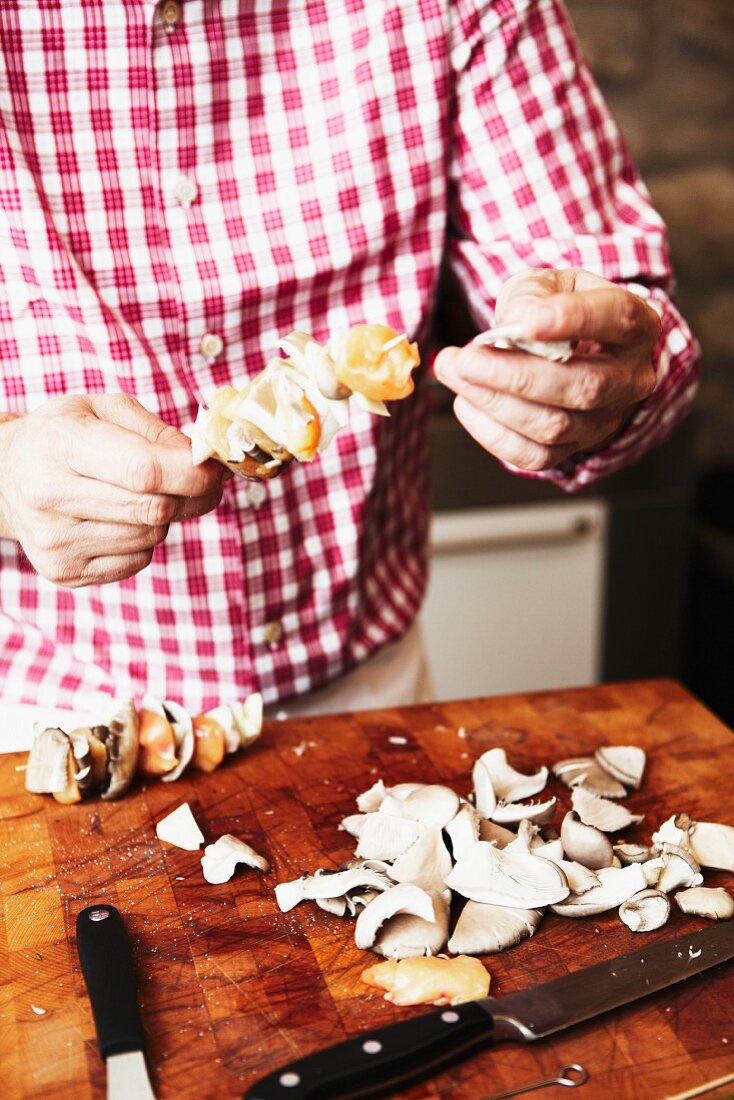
pixel 239 169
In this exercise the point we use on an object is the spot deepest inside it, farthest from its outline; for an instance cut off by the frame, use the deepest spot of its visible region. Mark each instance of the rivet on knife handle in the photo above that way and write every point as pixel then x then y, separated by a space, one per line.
pixel 378 1062
pixel 109 972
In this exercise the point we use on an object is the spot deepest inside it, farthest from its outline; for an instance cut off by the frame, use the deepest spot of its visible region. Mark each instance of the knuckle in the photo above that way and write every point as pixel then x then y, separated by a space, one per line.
pixel 158 534
pixel 523 384
pixel 143 474
pixel 539 458
pixel 158 511
pixel 631 321
pixel 647 382
pixel 591 390
pixel 556 423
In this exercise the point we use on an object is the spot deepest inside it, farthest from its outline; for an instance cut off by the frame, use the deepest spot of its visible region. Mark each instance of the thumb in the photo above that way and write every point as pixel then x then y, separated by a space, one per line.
pixel 127 412
pixel 522 291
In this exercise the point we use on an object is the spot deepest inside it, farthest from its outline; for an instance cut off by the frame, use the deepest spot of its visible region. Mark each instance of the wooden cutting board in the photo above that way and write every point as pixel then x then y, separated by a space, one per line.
pixel 230 987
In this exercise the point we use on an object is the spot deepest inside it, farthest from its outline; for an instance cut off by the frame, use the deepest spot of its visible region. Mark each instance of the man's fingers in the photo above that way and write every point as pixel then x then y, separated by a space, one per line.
pixel 127 412
pixel 580 384
pixel 88 539
pixel 118 456
pixel 506 444
pixel 108 569
pixel 611 316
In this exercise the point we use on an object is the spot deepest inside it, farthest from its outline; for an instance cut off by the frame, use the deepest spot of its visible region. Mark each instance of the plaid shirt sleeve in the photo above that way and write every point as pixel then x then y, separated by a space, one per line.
pixel 541 177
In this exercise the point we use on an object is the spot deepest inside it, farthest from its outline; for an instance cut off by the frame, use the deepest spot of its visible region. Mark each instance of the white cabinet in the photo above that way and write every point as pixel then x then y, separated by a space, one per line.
pixel 515 598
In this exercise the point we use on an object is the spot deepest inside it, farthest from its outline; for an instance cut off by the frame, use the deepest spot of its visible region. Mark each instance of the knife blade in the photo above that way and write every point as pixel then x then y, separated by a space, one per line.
pixel 376 1063
pixel 109 973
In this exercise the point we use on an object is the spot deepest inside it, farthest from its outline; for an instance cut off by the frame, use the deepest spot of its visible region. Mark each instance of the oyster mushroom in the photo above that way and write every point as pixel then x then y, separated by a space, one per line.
pixel 463 829
pixel 432 805
pixel 645 911
pixel 601 813
pixel 437 981
pixel 679 869
pixel 517 879
pixel 585 844
pixel 510 785
pixel 426 863
pixel 625 762
pixel 180 829
pixel 91 754
pixel 329 884
pixel 383 836
pixel 371 800
pixel 710 843
pixel 121 741
pixel 421 931
pixel 485 929
pixel 632 853
pixel 707 901
pixel 248 719
pixel 48 762
pixel 485 799
pixel 616 884
pixel 221 858
pixel 512 813
pixel 336 906
pixel 183 735
pixel 583 771
pixel 652 870
pixel 495 834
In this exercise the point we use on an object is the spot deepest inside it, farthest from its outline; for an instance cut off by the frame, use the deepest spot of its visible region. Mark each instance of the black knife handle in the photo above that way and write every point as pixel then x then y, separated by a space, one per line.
pixel 375 1063
pixel 109 972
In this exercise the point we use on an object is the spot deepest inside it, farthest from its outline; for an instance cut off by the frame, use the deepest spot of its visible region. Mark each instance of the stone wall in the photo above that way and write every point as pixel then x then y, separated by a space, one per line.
pixel 667 70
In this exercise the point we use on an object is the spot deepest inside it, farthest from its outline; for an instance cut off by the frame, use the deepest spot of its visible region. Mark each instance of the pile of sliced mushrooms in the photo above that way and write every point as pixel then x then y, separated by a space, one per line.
pixel 423 852
pixel 157 739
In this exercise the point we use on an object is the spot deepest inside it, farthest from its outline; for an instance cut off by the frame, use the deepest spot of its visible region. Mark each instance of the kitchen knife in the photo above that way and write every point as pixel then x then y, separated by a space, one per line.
pixel 109 973
pixel 377 1063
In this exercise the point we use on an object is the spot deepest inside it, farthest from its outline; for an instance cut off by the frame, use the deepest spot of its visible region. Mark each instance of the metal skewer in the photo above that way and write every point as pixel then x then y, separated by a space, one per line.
pixel 572 1076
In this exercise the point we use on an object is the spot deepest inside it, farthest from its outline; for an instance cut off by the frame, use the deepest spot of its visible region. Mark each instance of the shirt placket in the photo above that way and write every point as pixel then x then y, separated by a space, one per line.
pixel 197 330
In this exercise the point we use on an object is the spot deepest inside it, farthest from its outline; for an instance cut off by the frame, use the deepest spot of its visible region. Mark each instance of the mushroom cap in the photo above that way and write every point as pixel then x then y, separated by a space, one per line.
pixel 583 771
pixel 608 816
pixel 486 929
pixel 384 836
pixel 432 805
pixel 403 899
pixel 47 770
pixel 510 785
pixel 716 903
pixel 221 858
pixel 426 863
pixel 463 829
pixel 616 884
pixel 710 843
pixel 645 911
pixel 624 762
pixel 183 732
pixel 512 813
pixel 329 884
pixel 180 829
pixel 121 741
pixel 516 879
pixel 585 844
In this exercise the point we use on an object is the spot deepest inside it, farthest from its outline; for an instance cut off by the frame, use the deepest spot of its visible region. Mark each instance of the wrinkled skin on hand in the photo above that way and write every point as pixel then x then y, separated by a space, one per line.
pixel 534 413
pixel 91 482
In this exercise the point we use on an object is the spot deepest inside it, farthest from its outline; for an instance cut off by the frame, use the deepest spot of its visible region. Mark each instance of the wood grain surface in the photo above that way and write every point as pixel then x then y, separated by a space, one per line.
pixel 230 987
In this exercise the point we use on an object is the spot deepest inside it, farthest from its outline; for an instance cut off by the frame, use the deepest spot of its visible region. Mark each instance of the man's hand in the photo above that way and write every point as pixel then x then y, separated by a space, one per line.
pixel 534 413
pixel 90 483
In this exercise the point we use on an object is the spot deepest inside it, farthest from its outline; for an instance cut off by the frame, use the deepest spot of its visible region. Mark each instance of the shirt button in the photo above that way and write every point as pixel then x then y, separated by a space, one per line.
pixel 170 12
pixel 257 494
pixel 185 191
pixel 211 346
pixel 272 633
